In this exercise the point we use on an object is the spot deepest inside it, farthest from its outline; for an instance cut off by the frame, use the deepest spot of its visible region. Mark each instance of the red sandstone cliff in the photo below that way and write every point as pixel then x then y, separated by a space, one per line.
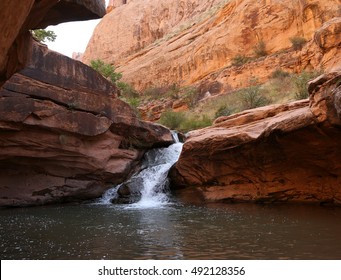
pixel 278 153
pixel 64 135
pixel 157 43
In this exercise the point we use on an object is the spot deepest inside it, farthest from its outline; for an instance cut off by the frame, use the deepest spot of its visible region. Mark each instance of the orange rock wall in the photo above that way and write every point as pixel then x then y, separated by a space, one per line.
pixel 156 43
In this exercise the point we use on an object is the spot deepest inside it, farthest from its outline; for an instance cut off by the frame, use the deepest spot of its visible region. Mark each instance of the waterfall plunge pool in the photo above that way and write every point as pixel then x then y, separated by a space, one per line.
pixel 173 231
pixel 154 227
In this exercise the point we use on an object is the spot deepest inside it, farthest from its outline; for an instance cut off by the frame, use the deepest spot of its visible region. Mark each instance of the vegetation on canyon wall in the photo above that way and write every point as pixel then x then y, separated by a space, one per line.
pixel 127 92
pixel 282 87
pixel 188 64
pixel 43 35
pixel 201 110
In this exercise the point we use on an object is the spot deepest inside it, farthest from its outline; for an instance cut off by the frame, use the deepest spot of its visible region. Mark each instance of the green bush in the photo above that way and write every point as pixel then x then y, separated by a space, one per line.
pixel 239 60
pixel 106 70
pixel 127 90
pixel 128 93
pixel 300 81
pixel 251 97
pixel 174 91
pixel 279 74
pixel 298 43
pixel 42 35
pixel 172 120
pixel 134 102
pixel 179 121
pixel 260 49
pixel 195 123
pixel 191 96
pixel 223 111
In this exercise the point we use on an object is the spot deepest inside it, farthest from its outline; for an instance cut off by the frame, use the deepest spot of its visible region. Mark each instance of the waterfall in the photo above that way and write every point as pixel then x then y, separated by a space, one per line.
pixel 109 195
pixel 151 183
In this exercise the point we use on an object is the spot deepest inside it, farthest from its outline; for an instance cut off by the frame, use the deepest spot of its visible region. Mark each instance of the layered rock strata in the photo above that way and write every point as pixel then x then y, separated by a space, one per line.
pixel 64 136
pixel 278 153
pixel 195 42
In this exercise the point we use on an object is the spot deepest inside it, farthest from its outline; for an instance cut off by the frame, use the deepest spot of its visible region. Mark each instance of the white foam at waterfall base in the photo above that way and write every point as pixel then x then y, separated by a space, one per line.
pixel 108 195
pixel 154 186
pixel 154 191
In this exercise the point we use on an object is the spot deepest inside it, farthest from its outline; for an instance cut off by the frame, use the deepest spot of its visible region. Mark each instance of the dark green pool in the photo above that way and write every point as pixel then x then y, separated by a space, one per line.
pixel 244 231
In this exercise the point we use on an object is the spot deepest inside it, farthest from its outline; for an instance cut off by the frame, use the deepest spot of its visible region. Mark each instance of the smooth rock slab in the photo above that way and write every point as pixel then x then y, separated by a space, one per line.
pixel 278 153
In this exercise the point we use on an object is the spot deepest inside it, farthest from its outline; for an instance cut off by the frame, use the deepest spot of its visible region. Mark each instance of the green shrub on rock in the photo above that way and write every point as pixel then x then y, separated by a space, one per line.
pixel 107 70
pixel 195 122
pixel 252 98
pixel 298 42
pixel 260 49
pixel 301 83
pixel 239 60
pixel 279 74
pixel 223 111
pixel 172 120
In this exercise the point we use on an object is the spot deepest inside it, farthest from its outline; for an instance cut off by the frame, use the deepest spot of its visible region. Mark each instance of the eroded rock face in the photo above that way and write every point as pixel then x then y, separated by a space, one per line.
pixel 194 42
pixel 11 27
pixel 18 17
pixel 64 136
pixel 278 153
pixel 132 27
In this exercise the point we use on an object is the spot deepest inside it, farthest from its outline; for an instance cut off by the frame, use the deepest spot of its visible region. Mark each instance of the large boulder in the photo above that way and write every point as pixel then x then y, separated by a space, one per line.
pixel 64 134
pixel 278 153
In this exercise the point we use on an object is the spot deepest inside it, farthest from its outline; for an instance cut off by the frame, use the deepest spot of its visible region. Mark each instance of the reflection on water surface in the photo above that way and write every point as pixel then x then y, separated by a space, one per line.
pixel 244 231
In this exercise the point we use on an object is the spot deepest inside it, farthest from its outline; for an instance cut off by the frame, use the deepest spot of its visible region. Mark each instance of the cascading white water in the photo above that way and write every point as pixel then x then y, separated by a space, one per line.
pixel 108 195
pixel 154 177
pixel 152 180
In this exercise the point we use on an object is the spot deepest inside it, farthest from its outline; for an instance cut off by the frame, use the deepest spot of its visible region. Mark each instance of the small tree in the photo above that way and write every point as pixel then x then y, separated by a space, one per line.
pixel 107 70
pixel 42 35
pixel 252 97
pixel 191 96
pixel 301 84
pixel 128 93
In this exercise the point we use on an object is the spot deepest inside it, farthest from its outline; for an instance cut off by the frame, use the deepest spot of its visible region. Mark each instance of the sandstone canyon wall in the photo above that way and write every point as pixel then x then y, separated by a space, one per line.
pixel 278 153
pixel 64 136
pixel 194 42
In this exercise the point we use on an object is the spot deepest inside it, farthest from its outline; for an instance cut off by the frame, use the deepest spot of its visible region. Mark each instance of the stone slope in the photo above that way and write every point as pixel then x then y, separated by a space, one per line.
pixel 278 153
pixel 163 43
pixel 64 136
